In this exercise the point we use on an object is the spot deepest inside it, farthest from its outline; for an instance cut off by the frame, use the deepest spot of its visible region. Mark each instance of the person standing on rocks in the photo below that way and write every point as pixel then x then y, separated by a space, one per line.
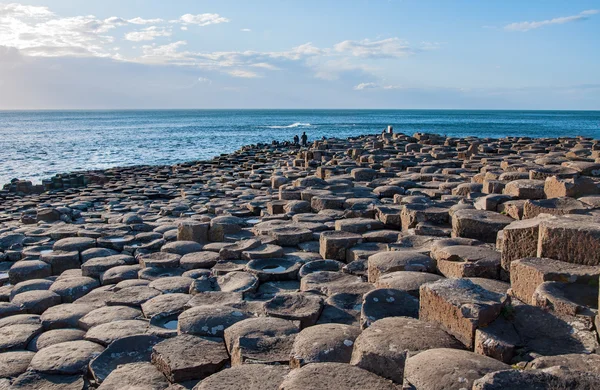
pixel 304 138
pixel 296 139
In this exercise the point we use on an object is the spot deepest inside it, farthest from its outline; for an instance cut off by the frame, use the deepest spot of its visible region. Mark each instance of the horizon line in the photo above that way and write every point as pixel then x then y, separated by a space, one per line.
pixel 296 109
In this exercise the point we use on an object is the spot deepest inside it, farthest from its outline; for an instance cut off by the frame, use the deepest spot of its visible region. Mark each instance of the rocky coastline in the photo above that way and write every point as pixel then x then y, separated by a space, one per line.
pixel 386 261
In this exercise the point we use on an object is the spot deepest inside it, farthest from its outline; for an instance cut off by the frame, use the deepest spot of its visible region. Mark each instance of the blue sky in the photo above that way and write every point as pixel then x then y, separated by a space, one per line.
pixel 300 54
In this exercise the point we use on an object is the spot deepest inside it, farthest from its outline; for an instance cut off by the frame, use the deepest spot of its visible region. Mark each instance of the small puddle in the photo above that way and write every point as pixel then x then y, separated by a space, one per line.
pixel 171 324
pixel 252 221
pixel 274 269
pixel 46 251
pixel 117 239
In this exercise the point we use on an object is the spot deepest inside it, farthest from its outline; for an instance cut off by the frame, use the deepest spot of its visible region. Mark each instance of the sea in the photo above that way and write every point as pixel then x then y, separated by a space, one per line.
pixel 39 144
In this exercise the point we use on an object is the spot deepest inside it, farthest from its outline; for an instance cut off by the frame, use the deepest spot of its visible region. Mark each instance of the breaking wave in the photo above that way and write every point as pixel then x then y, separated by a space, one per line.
pixel 297 124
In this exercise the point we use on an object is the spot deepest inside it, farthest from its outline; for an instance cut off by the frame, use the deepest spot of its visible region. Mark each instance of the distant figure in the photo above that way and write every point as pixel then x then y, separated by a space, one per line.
pixel 390 130
pixel 304 139
pixel 296 139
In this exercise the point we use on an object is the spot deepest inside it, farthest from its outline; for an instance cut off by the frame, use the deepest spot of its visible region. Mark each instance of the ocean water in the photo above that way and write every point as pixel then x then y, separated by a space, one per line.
pixel 38 144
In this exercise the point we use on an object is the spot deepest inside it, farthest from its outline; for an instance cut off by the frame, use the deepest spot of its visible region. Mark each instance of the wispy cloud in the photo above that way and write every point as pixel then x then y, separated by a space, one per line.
pixel 246 74
pixel 526 26
pixel 147 34
pixel 246 30
pixel 139 20
pixel 391 47
pixel 367 86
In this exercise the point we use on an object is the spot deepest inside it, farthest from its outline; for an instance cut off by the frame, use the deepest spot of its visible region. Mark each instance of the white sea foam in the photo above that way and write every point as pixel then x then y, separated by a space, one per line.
pixel 297 124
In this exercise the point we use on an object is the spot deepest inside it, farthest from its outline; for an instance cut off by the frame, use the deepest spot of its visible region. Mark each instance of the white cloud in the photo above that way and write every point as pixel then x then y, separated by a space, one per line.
pixel 139 20
pixel 526 26
pixel 202 19
pixel 246 74
pixel 385 48
pixel 147 34
pixel 20 10
pixel 246 30
pixel 364 86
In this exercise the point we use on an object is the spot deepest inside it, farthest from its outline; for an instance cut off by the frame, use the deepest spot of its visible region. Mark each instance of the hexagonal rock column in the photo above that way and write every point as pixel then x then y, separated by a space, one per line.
pixel 387 302
pixel 556 377
pixel 323 343
pixel 520 240
pixel 459 306
pixel 193 231
pixel 571 238
pixel 358 225
pixel 554 206
pixel 412 214
pixel 478 224
pixel 445 368
pixel 186 357
pixel 384 347
pixel 333 244
pixel 247 377
pixel 334 376
pixel 303 307
pixel 260 340
pixel 403 260
pixel 573 187
pixel 463 261
pixel 525 189
pixel 527 274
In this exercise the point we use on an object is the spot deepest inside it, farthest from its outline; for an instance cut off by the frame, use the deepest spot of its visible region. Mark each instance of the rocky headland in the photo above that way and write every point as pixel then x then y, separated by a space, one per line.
pixel 378 262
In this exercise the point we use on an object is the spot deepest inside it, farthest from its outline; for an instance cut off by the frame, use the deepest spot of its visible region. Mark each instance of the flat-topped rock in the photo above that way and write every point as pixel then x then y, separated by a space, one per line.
pixel 459 306
pixel 384 347
pixel 444 368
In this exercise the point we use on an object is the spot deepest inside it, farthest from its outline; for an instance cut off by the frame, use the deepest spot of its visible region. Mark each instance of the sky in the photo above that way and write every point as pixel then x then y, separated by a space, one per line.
pixel 130 54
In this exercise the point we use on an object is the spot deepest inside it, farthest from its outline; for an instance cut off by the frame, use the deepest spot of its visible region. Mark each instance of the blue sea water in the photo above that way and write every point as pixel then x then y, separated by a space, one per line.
pixel 38 144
